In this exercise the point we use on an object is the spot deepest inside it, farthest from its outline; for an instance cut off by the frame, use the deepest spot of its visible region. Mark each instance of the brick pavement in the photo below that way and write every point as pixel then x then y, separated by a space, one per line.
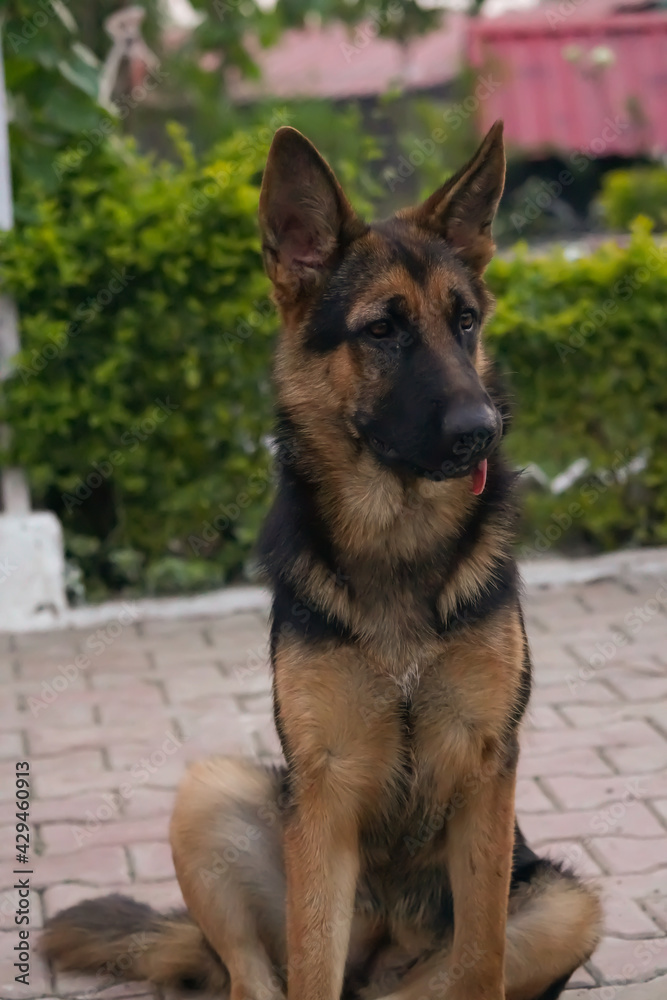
pixel 151 697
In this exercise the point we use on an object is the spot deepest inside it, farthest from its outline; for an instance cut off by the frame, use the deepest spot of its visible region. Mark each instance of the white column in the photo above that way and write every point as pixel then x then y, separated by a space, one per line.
pixel 14 493
pixel 32 564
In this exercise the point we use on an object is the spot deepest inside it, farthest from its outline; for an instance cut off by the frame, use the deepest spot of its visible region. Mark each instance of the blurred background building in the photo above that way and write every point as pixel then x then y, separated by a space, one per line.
pixel 140 402
pixel 580 84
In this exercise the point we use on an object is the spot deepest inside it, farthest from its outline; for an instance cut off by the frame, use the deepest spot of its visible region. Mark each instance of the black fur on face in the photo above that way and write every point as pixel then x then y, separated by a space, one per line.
pixel 410 314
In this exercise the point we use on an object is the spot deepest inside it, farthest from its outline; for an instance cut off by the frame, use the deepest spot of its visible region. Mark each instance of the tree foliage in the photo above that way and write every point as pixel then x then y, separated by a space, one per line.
pixel 54 51
pixel 636 191
pixel 51 79
pixel 141 400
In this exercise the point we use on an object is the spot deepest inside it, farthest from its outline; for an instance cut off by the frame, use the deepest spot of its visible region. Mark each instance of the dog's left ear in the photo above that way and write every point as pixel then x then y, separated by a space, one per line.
pixel 305 218
pixel 462 210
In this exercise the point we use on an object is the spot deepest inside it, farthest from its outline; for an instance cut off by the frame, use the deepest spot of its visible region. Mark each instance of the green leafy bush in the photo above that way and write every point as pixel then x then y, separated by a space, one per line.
pixel 583 344
pixel 141 398
pixel 628 193
pixel 140 404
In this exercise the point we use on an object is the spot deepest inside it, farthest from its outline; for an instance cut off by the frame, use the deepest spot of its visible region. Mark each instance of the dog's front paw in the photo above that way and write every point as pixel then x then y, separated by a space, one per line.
pixel 464 990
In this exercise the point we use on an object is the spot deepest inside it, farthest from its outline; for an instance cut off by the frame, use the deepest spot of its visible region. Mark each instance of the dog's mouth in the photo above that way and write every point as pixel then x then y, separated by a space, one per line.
pixel 388 455
pixel 477 473
pixel 479 477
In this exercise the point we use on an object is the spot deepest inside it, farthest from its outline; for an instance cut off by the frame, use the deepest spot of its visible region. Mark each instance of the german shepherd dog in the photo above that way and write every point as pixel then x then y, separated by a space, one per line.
pixel 384 859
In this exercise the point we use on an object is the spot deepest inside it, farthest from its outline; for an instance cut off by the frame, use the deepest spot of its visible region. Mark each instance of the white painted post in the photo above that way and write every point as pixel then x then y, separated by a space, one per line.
pixel 32 563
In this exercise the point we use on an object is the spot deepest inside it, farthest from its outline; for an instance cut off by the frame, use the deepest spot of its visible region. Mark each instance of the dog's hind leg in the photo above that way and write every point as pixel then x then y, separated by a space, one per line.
pixel 226 839
pixel 553 927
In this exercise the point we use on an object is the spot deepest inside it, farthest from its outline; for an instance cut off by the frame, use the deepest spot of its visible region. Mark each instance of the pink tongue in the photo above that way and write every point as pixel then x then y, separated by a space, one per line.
pixel 479 478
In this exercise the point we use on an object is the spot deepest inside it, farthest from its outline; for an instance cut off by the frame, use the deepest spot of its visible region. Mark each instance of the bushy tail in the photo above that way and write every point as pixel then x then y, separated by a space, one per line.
pixel 117 938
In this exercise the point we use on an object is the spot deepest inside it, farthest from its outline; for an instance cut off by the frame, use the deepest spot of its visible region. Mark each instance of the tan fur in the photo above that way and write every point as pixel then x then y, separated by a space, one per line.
pixel 222 823
pixel 553 925
pixel 399 720
pixel 462 691
pixel 228 833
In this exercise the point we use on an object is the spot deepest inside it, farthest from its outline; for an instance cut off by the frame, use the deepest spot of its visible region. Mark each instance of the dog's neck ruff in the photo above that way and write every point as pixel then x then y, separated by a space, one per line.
pixel 397 607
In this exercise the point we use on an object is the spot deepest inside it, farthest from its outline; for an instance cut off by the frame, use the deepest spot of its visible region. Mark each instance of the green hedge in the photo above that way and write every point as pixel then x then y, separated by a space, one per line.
pixel 140 404
pixel 583 342
pixel 141 397
pixel 637 191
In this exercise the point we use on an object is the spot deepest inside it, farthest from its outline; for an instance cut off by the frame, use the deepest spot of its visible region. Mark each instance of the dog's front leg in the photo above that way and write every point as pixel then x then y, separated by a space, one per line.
pixel 342 739
pixel 322 864
pixel 480 841
pixel 479 852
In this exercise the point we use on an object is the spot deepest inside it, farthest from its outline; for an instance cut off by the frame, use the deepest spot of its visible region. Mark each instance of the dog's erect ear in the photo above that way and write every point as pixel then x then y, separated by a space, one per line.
pixel 304 216
pixel 463 209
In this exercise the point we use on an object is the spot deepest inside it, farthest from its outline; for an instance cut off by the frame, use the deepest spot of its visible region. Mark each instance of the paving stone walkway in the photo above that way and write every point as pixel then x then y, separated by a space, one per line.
pixel 108 736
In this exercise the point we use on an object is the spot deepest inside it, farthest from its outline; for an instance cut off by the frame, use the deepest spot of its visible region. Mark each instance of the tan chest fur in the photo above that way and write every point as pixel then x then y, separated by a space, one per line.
pixel 346 719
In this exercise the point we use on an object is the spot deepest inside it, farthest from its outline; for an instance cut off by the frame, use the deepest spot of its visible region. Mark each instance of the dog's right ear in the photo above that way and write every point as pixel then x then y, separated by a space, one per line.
pixel 305 218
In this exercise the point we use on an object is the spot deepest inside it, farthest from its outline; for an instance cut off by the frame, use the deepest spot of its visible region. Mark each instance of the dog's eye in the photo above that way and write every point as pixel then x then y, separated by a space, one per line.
pixel 380 328
pixel 467 321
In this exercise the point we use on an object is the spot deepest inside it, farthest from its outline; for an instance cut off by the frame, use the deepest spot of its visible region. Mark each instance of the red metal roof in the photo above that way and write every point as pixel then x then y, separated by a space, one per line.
pixel 338 62
pixel 575 81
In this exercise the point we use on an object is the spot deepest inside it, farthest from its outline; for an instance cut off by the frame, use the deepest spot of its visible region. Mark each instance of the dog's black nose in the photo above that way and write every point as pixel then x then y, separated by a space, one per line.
pixel 469 430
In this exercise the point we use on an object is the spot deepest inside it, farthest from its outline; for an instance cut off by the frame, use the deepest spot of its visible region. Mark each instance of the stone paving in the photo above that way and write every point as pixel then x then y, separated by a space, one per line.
pixel 108 737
